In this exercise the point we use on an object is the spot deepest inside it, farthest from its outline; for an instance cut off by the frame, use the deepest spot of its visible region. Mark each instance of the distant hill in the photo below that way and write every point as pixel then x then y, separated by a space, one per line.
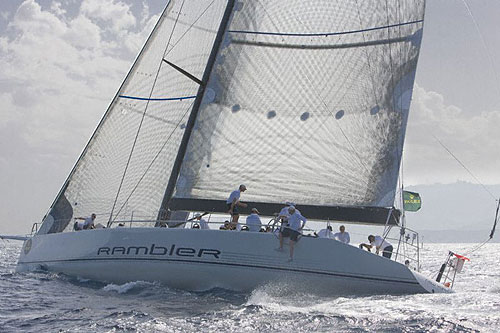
pixel 456 236
pixel 458 212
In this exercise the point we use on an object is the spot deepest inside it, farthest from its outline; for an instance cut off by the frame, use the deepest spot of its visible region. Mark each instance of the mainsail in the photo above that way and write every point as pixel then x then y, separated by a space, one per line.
pixel 125 167
pixel 308 102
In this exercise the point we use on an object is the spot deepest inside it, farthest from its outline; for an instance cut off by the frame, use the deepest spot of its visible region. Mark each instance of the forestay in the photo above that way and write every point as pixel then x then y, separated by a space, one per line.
pixel 126 165
pixel 308 101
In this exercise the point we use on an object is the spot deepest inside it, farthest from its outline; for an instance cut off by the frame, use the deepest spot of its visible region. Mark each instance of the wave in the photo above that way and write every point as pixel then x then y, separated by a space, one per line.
pixel 129 287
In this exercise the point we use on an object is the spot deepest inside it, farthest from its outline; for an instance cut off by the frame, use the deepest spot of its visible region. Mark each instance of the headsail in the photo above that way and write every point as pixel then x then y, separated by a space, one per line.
pixel 126 165
pixel 308 101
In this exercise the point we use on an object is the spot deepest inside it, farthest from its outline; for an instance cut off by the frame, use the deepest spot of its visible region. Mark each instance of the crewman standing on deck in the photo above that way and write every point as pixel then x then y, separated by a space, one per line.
pixel 233 202
pixel 296 223
pixel 284 214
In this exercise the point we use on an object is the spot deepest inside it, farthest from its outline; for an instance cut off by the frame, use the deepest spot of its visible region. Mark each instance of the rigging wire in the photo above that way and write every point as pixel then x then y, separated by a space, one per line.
pixel 401 195
pixel 143 116
pixel 496 220
pixel 188 29
pixel 153 161
pixel 474 249
pixel 492 64
pixel 488 53
pixel 484 187
pixel 490 58
pixel 463 165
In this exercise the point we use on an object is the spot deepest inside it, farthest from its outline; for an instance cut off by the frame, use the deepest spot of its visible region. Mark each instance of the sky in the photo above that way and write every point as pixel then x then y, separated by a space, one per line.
pixel 62 62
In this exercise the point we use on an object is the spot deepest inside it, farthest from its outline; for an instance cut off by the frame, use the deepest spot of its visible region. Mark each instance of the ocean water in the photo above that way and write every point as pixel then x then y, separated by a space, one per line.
pixel 46 302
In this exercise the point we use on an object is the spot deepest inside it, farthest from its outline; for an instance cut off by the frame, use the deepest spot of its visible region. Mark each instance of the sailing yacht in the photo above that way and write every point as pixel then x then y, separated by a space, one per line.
pixel 305 101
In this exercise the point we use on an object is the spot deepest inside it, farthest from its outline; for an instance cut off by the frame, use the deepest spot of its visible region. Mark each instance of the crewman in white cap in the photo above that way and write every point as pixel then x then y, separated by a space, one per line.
pixel 253 221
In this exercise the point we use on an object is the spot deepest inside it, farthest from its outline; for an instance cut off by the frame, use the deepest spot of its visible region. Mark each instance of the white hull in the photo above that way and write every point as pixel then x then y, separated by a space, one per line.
pixel 203 259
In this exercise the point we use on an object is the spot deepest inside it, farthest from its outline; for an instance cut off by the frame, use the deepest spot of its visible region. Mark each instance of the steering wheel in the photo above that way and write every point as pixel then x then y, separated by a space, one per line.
pixel 273 223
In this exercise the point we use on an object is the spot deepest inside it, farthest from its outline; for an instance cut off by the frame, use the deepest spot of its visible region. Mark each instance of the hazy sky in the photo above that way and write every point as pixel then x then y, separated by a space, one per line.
pixel 62 62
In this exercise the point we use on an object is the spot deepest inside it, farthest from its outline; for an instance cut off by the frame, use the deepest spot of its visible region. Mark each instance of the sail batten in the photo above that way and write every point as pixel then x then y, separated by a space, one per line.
pixel 321 34
pixel 158 99
pixel 322 47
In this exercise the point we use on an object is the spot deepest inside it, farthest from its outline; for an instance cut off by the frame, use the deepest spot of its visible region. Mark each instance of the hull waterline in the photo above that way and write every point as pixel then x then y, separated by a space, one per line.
pixel 203 259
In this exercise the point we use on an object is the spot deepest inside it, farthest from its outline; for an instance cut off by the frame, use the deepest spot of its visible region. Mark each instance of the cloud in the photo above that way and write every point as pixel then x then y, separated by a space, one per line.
pixel 58 75
pixel 57 9
pixel 83 33
pixel 30 18
pixel 115 13
pixel 471 136
pixel 145 15
pixel 60 71
pixel 5 15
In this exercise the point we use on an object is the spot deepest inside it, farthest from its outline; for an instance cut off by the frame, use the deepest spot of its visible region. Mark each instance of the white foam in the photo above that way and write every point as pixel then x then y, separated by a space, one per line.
pixel 126 287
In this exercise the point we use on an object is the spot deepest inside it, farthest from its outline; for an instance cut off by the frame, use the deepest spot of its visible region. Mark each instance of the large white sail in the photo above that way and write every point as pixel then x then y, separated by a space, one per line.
pixel 308 102
pixel 126 165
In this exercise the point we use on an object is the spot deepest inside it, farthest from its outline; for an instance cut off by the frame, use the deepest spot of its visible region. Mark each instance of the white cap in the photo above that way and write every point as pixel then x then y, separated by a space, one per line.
pixel 197 215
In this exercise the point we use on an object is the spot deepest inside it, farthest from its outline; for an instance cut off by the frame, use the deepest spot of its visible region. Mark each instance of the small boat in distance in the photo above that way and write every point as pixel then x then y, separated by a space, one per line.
pixel 305 101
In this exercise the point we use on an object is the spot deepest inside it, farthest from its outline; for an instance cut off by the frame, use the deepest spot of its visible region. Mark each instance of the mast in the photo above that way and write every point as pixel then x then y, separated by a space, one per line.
pixel 162 214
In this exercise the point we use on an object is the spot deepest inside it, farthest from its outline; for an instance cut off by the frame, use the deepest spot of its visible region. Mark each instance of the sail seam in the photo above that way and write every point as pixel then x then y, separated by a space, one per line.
pixel 321 34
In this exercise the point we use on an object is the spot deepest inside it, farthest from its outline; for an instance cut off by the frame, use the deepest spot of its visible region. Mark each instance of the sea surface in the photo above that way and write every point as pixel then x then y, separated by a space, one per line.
pixel 46 302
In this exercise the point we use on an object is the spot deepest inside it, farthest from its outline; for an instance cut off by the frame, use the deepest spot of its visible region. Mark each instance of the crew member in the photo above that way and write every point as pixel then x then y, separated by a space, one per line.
pixel 296 223
pixel 342 236
pixel 226 226
pixel 284 214
pixel 201 221
pixel 253 221
pixel 379 244
pixel 233 202
pixel 325 233
pixel 88 222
